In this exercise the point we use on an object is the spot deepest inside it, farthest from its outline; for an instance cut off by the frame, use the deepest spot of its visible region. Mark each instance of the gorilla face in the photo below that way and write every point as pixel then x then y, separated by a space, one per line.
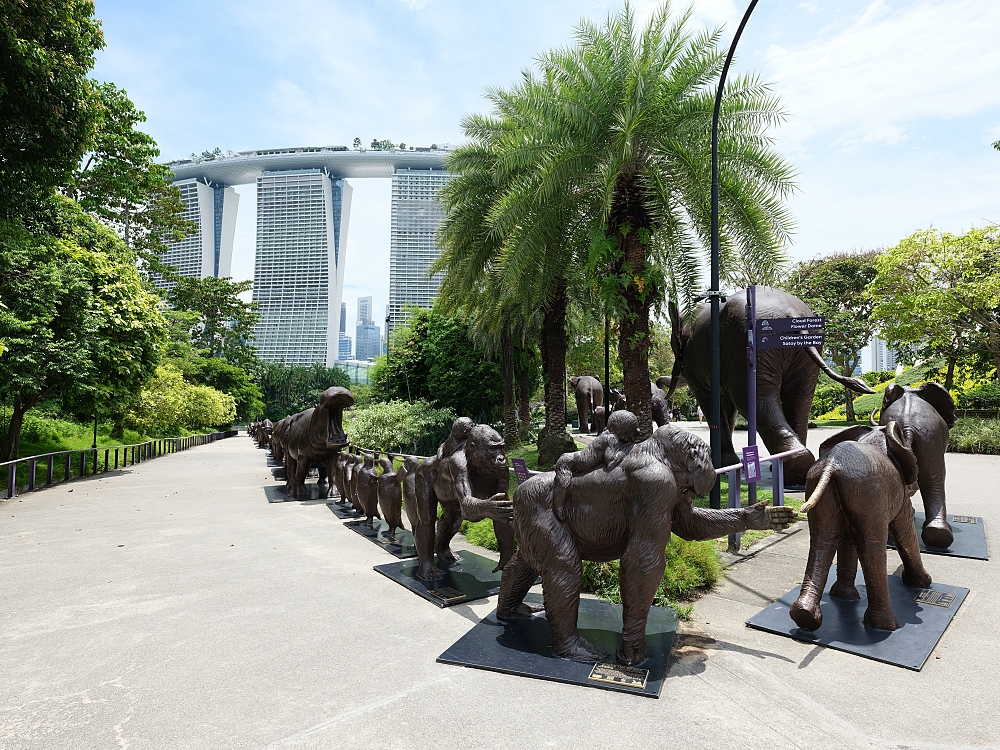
pixel 485 449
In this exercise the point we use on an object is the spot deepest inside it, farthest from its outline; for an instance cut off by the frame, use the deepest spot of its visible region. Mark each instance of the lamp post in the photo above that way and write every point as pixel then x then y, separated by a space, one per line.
pixel 715 401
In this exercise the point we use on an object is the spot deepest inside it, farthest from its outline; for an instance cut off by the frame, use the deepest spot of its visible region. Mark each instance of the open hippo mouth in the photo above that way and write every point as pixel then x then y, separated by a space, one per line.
pixel 335 435
pixel 334 400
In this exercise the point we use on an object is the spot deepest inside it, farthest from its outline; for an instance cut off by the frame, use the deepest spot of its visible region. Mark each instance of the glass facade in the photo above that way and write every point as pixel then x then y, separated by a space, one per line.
pixel 416 214
pixel 298 277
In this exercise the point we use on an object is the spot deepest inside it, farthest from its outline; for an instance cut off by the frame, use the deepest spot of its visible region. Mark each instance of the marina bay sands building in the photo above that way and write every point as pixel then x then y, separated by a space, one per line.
pixel 303 216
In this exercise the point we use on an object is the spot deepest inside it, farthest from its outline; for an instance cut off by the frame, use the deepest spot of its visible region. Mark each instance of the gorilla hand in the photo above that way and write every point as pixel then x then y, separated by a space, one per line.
pixel 498 508
pixel 774 517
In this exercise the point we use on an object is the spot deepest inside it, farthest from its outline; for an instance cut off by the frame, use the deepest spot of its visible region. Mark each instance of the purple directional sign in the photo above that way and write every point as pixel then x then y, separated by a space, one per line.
pixel 751 463
pixel 768 340
pixel 786 325
pixel 520 470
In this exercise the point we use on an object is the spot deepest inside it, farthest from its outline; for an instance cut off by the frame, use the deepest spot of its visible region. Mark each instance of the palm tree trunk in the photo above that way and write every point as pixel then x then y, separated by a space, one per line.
pixel 524 398
pixel 554 440
pixel 510 433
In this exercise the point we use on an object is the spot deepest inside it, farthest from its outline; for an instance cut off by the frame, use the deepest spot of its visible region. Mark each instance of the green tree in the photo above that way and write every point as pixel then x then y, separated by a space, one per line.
pixel 225 322
pixel 939 294
pixel 357 143
pixel 120 181
pixel 834 287
pixel 288 389
pixel 48 107
pixel 235 381
pixel 629 131
pixel 78 320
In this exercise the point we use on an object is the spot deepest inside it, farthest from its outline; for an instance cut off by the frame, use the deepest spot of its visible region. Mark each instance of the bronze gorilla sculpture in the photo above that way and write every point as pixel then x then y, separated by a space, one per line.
pixel 925 416
pixel 786 378
pixel 470 484
pixel 626 512
pixel 589 395
pixel 858 492
pixel 316 435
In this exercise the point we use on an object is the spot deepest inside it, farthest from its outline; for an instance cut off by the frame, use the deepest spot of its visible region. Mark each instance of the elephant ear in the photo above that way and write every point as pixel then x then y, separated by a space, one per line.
pixel 574 381
pixel 893 392
pixel 851 433
pixel 901 454
pixel 940 399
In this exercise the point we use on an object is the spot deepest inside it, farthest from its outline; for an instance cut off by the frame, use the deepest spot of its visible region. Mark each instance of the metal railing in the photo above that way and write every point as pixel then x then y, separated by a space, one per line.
pixel 62 466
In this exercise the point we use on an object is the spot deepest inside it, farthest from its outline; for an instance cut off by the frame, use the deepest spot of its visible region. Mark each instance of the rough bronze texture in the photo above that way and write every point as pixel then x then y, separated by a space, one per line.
pixel 316 435
pixel 925 416
pixel 786 378
pixel 408 475
pixel 623 501
pixel 589 395
pixel 390 497
pixel 858 492
pixel 338 475
pixel 367 489
pixel 278 440
pixel 470 483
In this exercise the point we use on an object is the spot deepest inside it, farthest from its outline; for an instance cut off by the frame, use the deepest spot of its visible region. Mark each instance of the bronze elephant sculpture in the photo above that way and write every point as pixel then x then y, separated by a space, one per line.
pixel 621 504
pixel 925 416
pixel 470 484
pixel 786 378
pixel 589 395
pixel 859 491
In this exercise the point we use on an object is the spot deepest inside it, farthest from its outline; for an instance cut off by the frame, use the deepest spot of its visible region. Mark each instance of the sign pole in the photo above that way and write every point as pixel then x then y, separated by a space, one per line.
pixel 753 473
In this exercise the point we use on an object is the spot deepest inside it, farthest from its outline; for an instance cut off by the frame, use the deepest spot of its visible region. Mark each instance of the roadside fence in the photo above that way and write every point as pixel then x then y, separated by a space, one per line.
pixel 35 472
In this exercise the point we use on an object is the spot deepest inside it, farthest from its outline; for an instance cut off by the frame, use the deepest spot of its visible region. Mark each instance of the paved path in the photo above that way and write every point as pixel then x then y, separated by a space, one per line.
pixel 170 606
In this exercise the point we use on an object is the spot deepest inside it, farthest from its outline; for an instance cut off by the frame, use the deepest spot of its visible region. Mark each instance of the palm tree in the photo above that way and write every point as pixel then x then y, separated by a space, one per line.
pixel 623 121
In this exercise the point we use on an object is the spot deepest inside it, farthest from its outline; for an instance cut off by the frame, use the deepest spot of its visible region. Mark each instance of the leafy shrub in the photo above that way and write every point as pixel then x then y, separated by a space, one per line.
pixel 877 377
pixel 984 396
pixel 168 404
pixel 397 425
pixel 975 436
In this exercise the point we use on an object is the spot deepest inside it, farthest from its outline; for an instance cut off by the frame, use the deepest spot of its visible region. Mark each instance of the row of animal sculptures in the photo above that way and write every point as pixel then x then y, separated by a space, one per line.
pixel 260 432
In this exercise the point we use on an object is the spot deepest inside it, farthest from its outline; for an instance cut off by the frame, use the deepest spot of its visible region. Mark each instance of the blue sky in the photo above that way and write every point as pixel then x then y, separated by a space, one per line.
pixel 891 106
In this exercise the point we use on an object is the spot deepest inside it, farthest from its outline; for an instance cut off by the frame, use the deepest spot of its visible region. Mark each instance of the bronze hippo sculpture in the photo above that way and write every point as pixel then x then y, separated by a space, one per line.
pixel 316 436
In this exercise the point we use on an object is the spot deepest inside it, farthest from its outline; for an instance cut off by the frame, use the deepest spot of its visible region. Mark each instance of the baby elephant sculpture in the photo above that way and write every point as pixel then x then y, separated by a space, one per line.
pixel 589 396
pixel 623 500
pixel 859 490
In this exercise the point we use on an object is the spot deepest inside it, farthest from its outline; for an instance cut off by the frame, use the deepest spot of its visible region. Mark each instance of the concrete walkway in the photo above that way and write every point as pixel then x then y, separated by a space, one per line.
pixel 170 606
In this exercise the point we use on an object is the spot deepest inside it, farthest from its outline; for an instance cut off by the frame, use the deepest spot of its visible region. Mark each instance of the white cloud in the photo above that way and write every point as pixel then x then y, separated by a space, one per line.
pixel 874 75
pixel 416 4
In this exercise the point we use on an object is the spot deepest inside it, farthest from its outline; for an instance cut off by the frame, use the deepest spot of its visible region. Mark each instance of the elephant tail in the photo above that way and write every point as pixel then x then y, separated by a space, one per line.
pixel 854 384
pixel 817 493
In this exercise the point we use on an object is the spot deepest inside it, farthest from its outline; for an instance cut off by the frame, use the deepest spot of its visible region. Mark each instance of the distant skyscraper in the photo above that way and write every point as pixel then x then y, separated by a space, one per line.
pixel 345 347
pixel 365 311
pixel 369 342
pixel 209 250
pixel 883 358
pixel 302 222
pixel 343 317
pixel 416 213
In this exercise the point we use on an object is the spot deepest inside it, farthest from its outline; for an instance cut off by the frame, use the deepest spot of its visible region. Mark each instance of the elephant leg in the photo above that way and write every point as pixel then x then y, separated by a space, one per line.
pixel 322 475
pixel 517 579
pixel 779 437
pixel 448 525
pixel 640 573
pixel 937 531
pixel 582 402
pixel 728 424
pixel 905 536
pixel 847 571
pixel 826 533
pixel 872 555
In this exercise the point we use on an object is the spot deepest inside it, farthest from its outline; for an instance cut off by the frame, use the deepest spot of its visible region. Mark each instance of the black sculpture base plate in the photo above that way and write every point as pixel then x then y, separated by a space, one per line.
pixel 523 647
pixel 401 546
pixel 969 533
pixel 467 580
pixel 276 494
pixel 923 624
pixel 344 511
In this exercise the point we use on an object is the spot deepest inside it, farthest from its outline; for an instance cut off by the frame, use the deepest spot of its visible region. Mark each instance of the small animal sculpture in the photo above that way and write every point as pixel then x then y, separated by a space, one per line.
pixel 599 419
pixel 786 378
pixel 264 430
pixel 471 484
pixel 859 491
pixel 367 489
pixel 460 430
pixel 338 476
pixel 589 395
pixel 623 504
pixel 390 497
pixel 357 462
pixel 408 475
pixel 925 416
pixel 278 441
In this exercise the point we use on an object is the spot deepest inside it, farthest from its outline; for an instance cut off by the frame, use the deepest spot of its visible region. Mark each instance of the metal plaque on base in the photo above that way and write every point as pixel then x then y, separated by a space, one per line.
pixel 922 621
pixel 524 648
pixel 969 538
